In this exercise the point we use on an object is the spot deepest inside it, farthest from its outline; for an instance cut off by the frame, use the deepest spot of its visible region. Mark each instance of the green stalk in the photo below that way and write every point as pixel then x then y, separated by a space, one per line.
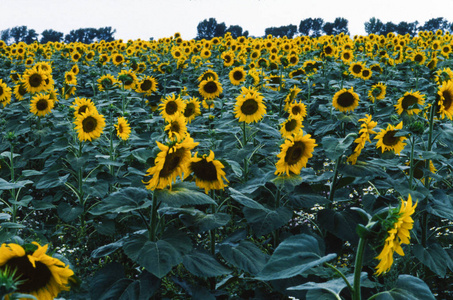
pixel 334 181
pixel 152 234
pixel 358 268
pixel 13 190
pixel 350 288
pixel 411 171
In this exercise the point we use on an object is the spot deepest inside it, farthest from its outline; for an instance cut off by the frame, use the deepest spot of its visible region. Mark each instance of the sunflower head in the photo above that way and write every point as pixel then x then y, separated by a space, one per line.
pixel 89 125
pixel 388 139
pixel 123 129
pixel 210 88
pixel 208 172
pixel 41 105
pixel 445 96
pixel 408 101
pixel 345 100
pixel 249 106
pixel 171 106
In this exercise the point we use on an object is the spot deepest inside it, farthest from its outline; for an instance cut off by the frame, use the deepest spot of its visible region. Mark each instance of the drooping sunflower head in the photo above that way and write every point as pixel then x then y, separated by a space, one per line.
pixel 407 102
pixel 5 93
pixel 345 100
pixel 192 109
pixel 40 274
pixel 294 154
pixel 441 75
pixel 237 75
pixel 89 125
pixel 208 172
pixel 171 105
pixel 275 82
pixel 210 88
pixel 19 91
pixel 147 85
pixel 291 96
pixel 123 129
pixel 445 95
pixel 387 140
pixel 249 106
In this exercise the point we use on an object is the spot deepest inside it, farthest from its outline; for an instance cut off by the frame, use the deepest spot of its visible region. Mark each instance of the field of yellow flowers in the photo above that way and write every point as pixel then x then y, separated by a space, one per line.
pixel 230 168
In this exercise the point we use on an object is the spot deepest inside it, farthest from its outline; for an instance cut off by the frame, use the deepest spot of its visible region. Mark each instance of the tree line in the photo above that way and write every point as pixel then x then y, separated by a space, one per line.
pixel 84 35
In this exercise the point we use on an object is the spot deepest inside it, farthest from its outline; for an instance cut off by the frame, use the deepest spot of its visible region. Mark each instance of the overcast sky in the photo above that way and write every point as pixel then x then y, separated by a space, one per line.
pixel 143 19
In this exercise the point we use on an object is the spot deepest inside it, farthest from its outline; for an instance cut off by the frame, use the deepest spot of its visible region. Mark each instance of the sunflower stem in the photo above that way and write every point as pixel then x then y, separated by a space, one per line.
pixel 152 234
pixel 411 170
pixel 13 190
pixel 351 289
pixel 334 181
pixel 358 268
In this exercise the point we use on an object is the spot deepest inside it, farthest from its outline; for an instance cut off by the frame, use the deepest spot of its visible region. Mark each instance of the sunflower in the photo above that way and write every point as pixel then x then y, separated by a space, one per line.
pixel 298 109
pixel 106 82
pixel 356 68
pixel 249 106
pixel 388 141
pixel 377 92
pixel 82 105
pixel 445 74
pixel 208 172
pixel 123 129
pixel 70 78
pixel 44 66
pixel 117 59
pixel 15 77
pixel 89 125
pixel 345 100
pixel 41 105
pixel 128 79
pixel 294 154
pixel 366 129
pixel 171 106
pixel 208 74
pixel 19 91
pixel 75 69
pixel 407 101
pixel 192 109
pixel 176 127
pixel 398 233
pixel 34 80
pixel 5 93
pixel 296 73
pixel 68 91
pixel 347 56
pixel 291 96
pixel 210 88
pixel 445 93
pixel 366 74
pixel 291 126
pixel 147 85
pixel 275 82
pixel 40 274
pixel 237 75
pixel 418 57
pixel 171 162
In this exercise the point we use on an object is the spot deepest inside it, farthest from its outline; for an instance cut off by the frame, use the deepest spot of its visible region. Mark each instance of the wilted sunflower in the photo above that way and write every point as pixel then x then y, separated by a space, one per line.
pixel 147 85
pixel 34 80
pixel 210 88
pixel 249 106
pixel 176 127
pixel 387 140
pixel 445 74
pixel 377 92
pixel 70 78
pixel 298 109
pixel 89 125
pixel 106 82
pixel 5 93
pixel 192 109
pixel 237 75
pixel 208 172
pixel 398 233
pixel 291 126
pixel 409 99
pixel 123 129
pixel 345 100
pixel 445 93
pixel 366 129
pixel 171 162
pixel 171 106
pixel 82 105
pixel 40 274
pixel 41 105
pixel 294 154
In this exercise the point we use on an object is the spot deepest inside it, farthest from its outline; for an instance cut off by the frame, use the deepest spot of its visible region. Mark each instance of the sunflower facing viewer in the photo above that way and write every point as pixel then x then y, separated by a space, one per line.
pixel 249 106
pixel 345 100
pixel 89 125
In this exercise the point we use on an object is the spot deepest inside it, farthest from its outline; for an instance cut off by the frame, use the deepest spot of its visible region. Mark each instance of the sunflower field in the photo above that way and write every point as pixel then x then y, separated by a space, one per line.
pixel 230 168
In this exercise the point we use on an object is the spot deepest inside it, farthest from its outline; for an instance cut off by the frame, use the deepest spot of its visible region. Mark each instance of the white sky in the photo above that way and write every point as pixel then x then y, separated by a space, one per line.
pixel 143 19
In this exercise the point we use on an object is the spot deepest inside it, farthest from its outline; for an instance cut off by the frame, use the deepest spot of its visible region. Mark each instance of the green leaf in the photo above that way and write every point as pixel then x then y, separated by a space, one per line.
pixel 69 213
pixel 244 200
pixel 294 256
pixel 340 223
pixel 157 258
pixel 335 147
pixel 5 185
pixel 12 225
pixel 183 194
pixel 107 249
pixel 434 257
pixel 202 264
pixel 199 221
pixel 407 288
pixel 51 180
pixel 441 204
pixel 125 200
pixel 108 282
pixel 244 255
pixel 266 220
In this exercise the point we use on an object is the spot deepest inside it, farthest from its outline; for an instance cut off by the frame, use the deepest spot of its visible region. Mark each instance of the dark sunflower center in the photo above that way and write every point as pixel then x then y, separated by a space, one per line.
pixel 365 73
pixel 15 77
pixel 356 69
pixel 175 127
pixel 298 72
pixel 1 91
pixel 82 109
pixel 171 162
pixel 210 87
pixel 293 59
pixel 89 124
pixel 389 138
pixel 227 58
pixel 291 125
pixel 346 55
pixel 249 107
pixel 346 99
pixel 204 170
pixel 418 58
pixel 238 75
pixel 34 278
pixel 190 110
pixel 146 85
pixel 106 82
pixel 120 128
pixel 35 80
pixel 295 110
pixel 128 80
pixel 376 91
pixel 275 80
pixel 328 50
pixel 294 153
pixel 447 99
pixel 68 77
pixel 408 101
pixel 171 107
pixel 42 104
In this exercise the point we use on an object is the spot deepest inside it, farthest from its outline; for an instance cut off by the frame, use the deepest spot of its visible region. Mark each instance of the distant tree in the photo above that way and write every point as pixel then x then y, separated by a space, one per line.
pixel 235 31
pixel 338 26
pixel 207 29
pixel 389 27
pixel 374 26
pixel 435 24
pixel 311 27
pixel 105 33
pixel 23 34
pixel 31 36
pixel 220 29
pixel 405 27
pixel 50 35
pixel 289 31
pixel 5 35
pixel 328 28
pixel 82 35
